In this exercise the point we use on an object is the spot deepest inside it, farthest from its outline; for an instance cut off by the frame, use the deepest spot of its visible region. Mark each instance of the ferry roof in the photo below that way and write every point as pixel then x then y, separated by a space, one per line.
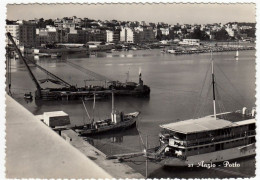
pixel 207 123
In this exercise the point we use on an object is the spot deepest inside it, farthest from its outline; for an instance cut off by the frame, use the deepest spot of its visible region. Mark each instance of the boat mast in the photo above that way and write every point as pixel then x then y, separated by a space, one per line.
pixel 213 85
pixel 113 109
pixel 94 104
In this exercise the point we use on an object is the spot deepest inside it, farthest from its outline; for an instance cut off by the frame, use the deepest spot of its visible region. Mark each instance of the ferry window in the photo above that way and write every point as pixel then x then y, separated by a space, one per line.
pixel 195 149
pixel 189 149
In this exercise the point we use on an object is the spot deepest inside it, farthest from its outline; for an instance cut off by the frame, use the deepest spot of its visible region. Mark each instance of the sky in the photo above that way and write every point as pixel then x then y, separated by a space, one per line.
pixel 168 13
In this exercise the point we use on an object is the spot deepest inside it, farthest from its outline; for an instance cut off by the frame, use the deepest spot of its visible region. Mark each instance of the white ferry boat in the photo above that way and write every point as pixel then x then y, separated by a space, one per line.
pixel 211 139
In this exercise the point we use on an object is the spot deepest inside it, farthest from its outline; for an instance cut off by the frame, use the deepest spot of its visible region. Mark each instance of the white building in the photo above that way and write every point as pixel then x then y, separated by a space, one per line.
pixel 127 35
pixel 165 31
pixel 190 42
pixel 13 29
pixel 230 31
pixel 110 35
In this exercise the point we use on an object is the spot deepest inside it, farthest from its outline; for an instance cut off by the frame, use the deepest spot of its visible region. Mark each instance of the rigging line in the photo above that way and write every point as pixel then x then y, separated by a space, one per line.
pixel 221 102
pixel 85 109
pixel 229 81
pixel 230 95
pixel 89 72
pixel 204 80
pixel 48 72
pixel 200 110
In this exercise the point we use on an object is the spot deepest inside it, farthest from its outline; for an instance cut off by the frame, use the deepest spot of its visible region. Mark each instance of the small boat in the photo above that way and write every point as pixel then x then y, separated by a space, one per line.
pixel 207 140
pixel 55 55
pixel 28 95
pixel 237 54
pixel 118 120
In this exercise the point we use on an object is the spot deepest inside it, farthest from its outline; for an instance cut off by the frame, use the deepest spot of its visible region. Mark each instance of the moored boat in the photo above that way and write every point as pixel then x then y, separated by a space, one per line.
pixel 28 95
pixel 118 120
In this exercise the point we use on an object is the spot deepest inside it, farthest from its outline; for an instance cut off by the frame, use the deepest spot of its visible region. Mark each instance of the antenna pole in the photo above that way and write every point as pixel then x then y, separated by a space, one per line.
pixel 213 85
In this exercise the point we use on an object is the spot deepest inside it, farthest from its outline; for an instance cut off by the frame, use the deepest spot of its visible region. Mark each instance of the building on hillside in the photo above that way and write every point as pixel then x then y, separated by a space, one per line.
pixel 165 31
pixel 230 32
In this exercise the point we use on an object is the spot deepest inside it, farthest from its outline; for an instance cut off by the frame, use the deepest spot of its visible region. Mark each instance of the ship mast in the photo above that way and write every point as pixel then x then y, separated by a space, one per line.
pixel 213 85
pixel 113 109
pixel 94 105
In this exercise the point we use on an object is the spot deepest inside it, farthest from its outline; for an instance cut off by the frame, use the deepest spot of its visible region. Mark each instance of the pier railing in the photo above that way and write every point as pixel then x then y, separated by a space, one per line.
pixel 213 139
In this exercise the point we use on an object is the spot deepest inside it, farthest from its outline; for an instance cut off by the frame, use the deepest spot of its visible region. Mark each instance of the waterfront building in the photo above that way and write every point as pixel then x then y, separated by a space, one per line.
pixel 190 42
pixel 97 35
pixel 14 31
pixel 41 36
pixel 27 34
pixel 116 36
pixel 149 34
pixel 127 35
pixel 61 35
pixel 110 36
pixel 138 36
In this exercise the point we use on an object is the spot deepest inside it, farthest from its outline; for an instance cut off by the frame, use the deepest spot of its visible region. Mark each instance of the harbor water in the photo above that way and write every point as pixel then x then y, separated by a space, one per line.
pixel 180 90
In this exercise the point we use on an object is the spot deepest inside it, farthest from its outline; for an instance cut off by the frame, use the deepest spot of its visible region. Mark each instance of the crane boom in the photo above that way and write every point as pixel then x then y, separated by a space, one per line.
pixel 50 74
pixel 27 66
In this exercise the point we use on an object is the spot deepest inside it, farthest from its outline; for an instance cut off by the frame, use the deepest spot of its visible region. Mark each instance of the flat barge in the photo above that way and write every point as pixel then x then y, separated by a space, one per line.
pixel 70 92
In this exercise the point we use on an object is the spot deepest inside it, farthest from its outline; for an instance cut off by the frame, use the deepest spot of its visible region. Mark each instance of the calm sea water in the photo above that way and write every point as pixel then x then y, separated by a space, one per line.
pixel 176 94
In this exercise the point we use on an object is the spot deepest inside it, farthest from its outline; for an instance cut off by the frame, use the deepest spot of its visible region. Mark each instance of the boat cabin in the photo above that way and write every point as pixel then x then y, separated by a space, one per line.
pixel 209 134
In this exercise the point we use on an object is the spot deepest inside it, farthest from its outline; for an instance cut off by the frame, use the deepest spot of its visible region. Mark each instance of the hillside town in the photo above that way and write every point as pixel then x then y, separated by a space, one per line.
pixel 41 32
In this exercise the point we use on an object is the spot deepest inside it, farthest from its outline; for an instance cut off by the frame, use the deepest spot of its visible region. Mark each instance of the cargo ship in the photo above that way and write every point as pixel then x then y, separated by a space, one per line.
pixel 118 120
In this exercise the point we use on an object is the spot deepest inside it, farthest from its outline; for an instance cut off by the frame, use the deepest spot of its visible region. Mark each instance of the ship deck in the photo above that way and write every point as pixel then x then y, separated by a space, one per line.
pixel 209 123
pixel 234 116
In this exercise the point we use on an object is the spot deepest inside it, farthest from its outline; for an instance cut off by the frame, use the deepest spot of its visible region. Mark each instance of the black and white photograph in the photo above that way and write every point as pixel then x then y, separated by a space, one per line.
pixel 130 90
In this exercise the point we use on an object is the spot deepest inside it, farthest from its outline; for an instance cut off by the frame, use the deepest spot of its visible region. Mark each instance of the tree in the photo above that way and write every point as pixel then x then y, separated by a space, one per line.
pixel 198 34
pixel 221 35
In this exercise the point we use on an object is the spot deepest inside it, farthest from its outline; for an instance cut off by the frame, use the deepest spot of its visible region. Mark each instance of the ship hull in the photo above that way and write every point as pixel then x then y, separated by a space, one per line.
pixel 113 127
pixel 213 157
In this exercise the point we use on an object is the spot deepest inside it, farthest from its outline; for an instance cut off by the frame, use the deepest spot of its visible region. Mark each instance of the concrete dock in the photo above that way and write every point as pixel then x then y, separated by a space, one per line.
pixel 115 168
pixel 34 150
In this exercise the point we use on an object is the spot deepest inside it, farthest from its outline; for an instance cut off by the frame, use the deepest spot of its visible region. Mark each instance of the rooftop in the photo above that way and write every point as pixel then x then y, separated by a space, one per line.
pixel 209 123
pixel 55 113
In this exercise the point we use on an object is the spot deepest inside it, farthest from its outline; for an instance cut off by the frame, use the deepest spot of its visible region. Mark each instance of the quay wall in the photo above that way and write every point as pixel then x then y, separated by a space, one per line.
pixel 33 150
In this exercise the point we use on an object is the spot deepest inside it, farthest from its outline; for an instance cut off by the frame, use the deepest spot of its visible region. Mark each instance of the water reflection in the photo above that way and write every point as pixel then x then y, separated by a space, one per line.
pixel 112 137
